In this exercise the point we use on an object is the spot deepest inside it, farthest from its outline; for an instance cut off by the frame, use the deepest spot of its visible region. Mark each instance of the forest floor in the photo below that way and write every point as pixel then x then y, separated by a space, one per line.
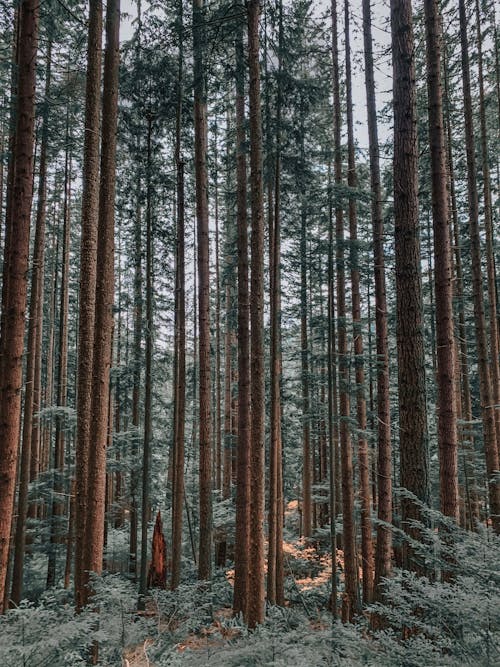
pixel 309 568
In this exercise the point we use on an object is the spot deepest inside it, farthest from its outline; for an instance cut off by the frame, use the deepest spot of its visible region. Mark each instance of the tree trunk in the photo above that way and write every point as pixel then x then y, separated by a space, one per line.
pixel 180 327
pixel 58 503
pixel 446 408
pixel 485 388
pixel 255 610
pixel 200 125
pixel 148 380
pixel 96 488
pixel 350 603
pixel 384 454
pixel 488 224
pixel 29 457
pixel 363 459
pixel 410 344
pixel 241 547
pixel 14 287
pixel 88 270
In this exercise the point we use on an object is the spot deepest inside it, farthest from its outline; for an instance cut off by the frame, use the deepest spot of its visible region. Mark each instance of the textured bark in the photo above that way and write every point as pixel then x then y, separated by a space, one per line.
pixel 88 269
pixel 488 224
pixel 307 463
pixel 103 334
pixel 14 287
pixel 410 344
pixel 29 456
pixel 180 327
pixel 241 546
pixel 59 502
pixel 446 405
pixel 350 600
pixel 464 404
pixel 384 454
pixel 157 575
pixel 275 584
pixel 485 388
pixel 255 612
pixel 200 126
pixel 148 380
pixel 363 459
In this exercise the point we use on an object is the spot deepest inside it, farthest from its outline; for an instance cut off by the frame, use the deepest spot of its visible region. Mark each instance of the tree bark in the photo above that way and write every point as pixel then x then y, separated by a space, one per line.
pixel 384 455
pixel 96 487
pixel 485 387
pixel 410 344
pixel 350 601
pixel 88 270
pixel 446 408
pixel 363 458
pixel 255 610
pixel 14 287
pixel 241 546
pixel 200 124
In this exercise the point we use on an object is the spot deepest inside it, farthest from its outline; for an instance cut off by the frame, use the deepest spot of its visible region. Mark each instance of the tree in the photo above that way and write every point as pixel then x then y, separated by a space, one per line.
pixel 14 287
pixel 364 465
pixel 88 270
pixel 384 456
pixel 241 546
pixel 200 127
pixel 103 332
pixel 410 344
pixel 255 610
pixel 446 408
pixel 485 388
pixel 350 602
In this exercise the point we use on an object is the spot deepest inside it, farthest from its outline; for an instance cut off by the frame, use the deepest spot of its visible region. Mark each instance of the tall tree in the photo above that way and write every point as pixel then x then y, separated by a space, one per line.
pixel 241 545
pixel 255 611
pixel 485 387
pixel 384 454
pixel 88 271
pixel 363 459
pixel 103 333
pixel 180 326
pixel 14 287
pixel 446 408
pixel 350 601
pixel 201 175
pixel 410 344
pixel 29 448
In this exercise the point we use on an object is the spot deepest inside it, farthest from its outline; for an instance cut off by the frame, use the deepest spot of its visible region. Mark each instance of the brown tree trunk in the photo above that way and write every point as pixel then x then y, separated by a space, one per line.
pixel 384 455
pixel 304 344
pixel 58 503
pixel 180 325
pixel 488 224
pixel 241 547
pixel 410 344
pixel 14 287
pixel 485 388
pixel 275 583
pixel 446 408
pixel 350 603
pixel 96 487
pixel 148 380
pixel 157 575
pixel 255 612
pixel 29 457
pixel 88 269
pixel 363 459
pixel 200 125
